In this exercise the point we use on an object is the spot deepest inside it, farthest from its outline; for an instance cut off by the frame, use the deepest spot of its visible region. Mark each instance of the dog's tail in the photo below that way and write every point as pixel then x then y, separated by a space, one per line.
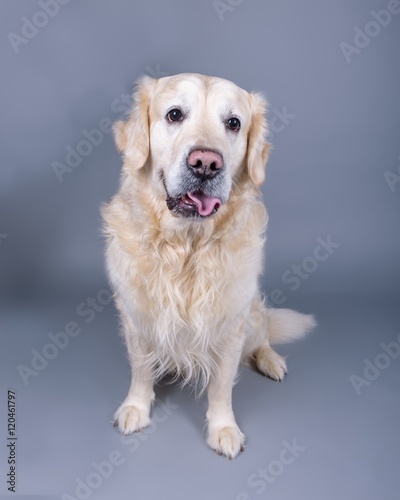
pixel 286 325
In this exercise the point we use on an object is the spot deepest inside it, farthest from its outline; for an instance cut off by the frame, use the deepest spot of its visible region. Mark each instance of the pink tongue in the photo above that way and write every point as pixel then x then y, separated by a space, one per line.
pixel 205 204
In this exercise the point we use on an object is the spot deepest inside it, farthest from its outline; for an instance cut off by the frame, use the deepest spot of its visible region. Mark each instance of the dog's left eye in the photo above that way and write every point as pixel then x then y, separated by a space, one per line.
pixel 233 124
pixel 175 115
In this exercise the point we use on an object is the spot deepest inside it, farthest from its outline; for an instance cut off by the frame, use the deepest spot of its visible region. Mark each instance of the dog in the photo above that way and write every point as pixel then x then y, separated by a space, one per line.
pixel 184 247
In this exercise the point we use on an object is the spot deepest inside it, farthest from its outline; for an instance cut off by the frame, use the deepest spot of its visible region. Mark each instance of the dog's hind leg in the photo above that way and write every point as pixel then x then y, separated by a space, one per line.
pixel 269 326
pixel 270 363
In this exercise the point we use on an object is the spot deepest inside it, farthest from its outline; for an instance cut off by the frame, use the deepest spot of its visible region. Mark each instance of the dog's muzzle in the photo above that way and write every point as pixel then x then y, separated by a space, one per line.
pixel 200 177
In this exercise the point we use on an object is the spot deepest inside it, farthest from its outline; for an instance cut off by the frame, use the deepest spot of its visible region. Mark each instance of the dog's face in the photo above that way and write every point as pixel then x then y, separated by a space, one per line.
pixel 197 135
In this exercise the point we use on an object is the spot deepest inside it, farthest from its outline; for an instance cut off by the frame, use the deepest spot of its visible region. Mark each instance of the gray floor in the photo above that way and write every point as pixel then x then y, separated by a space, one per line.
pixel 347 444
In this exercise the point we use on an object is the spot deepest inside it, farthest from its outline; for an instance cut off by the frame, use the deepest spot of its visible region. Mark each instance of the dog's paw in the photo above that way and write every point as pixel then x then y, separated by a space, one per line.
pixel 270 363
pixel 228 440
pixel 130 418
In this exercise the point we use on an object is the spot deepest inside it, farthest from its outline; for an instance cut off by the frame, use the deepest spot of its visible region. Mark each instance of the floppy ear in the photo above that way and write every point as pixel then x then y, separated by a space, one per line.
pixel 257 145
pixel 132 136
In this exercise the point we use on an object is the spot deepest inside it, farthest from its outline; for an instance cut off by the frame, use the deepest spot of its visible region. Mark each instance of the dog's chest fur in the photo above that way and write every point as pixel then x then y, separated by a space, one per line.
pixel 186 291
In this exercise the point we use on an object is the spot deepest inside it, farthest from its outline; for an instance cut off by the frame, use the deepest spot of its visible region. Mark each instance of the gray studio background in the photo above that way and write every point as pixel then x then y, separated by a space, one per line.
pixel 331 74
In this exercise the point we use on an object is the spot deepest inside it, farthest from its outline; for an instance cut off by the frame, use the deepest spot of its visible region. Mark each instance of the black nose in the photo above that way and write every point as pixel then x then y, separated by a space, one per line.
pixel 205 163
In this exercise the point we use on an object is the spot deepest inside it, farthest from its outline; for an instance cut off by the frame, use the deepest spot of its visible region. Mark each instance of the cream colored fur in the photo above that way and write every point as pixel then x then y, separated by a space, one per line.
pixel 186 289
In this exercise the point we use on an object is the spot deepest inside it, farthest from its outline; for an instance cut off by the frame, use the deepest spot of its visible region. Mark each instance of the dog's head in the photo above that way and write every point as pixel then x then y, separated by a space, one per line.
pixel 197 136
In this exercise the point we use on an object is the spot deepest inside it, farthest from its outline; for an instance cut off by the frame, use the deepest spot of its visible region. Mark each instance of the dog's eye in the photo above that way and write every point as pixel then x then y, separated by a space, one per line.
pixel 175 115
pixel 233 124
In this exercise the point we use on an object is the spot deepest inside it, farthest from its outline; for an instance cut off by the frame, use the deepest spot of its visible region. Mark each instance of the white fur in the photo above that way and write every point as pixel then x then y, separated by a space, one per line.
pixel 186 289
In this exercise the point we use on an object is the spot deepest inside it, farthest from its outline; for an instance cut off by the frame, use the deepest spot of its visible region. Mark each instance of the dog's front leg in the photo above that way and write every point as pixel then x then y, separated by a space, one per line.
pixel 134 413
pixel 224 435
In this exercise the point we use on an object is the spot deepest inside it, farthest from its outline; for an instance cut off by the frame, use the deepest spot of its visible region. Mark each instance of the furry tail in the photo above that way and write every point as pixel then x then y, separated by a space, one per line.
pixel 286 325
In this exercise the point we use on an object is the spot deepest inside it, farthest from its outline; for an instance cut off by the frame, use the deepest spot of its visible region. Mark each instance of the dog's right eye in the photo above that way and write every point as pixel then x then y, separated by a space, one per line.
pixel 175 115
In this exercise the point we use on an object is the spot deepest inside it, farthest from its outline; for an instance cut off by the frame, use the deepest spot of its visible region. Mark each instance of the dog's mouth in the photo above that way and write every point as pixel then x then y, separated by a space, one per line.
pixel 194 204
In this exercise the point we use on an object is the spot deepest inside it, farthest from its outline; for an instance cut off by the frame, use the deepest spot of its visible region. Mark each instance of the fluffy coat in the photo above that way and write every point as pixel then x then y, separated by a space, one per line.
pixel 187 290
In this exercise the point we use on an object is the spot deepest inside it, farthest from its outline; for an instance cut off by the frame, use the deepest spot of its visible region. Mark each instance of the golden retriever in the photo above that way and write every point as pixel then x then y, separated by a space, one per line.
pixel 185 237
